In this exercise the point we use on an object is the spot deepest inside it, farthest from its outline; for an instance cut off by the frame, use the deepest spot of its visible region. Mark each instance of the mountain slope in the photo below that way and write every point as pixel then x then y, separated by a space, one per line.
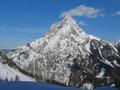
pixel 8 73
pixel 67 55
pixel 117 45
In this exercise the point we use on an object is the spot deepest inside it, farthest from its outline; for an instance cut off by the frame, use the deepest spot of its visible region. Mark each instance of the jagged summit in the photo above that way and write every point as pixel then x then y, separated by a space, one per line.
pixel 68 23
pixel 69 20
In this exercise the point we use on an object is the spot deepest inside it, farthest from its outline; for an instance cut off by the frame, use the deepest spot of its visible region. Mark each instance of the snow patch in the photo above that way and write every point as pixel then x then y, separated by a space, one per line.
pixel 115 63
pixel 88 86
pixel 101 74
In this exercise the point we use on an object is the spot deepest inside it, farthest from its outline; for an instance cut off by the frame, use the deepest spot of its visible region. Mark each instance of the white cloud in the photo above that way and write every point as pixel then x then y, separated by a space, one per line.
pixel 82 23
pixel 116 13
pixel 83 10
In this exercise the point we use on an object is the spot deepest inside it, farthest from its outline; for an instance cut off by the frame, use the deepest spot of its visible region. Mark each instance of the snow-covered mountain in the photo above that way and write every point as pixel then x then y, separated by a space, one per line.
pixel 67 55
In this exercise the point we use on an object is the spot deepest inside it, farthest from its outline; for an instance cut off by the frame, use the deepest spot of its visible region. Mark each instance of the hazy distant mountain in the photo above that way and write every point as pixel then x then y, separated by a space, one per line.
pixel 68 56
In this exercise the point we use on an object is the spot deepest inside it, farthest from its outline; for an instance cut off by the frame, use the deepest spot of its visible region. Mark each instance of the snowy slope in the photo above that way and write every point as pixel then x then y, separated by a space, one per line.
pixel 9 74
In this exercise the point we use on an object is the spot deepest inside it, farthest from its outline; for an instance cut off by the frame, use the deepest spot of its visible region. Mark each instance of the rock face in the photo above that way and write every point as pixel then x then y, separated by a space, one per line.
pixel 68 56
pixel 117 45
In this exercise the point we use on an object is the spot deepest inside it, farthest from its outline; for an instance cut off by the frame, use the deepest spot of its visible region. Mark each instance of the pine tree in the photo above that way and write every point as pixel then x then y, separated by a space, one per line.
pixel 16 78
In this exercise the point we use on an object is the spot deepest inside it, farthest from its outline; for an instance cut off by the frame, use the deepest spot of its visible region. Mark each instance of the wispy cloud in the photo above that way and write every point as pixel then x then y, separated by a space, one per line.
pixel 82 23
pixel 22 30
pixel 116 13
pixel 85 11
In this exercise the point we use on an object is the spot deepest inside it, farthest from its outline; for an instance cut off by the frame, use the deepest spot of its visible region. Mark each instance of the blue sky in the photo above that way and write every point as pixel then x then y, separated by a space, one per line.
pixel 23 21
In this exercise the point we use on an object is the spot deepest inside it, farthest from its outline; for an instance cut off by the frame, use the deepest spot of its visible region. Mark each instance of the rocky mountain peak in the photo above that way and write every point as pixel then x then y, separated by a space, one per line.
pixel 68 55
pixel 66 25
